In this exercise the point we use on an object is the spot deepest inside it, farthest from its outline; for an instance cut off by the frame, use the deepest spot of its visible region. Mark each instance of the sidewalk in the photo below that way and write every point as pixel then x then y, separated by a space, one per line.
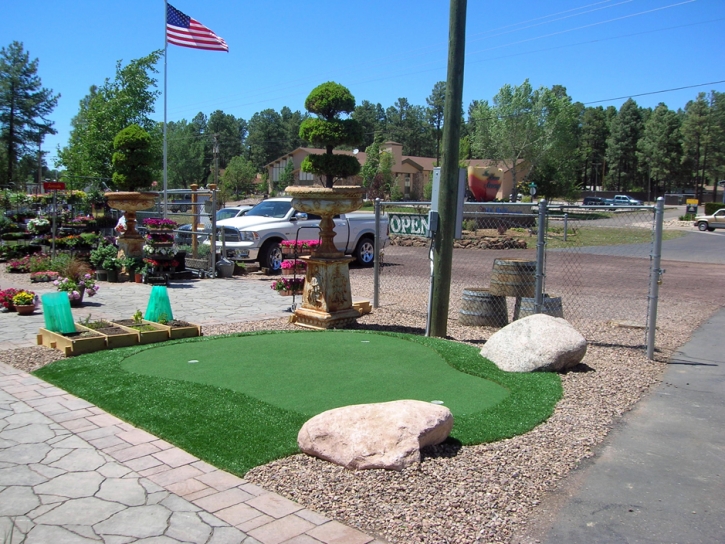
pixel 661 477
pixel 203 302
pixel 71 473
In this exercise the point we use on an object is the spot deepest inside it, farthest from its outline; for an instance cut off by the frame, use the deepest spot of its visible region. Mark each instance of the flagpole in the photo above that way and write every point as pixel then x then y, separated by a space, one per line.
pixel 166 51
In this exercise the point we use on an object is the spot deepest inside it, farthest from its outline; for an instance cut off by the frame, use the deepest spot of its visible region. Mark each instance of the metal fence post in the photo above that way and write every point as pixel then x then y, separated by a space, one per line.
pixel 213 229
pixel 376 262
pixel 540 245
pixel 655 278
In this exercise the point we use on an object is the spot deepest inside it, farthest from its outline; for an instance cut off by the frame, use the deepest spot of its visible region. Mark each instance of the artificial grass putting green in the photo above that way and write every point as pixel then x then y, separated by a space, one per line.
pixel 310 376
pixel 235 430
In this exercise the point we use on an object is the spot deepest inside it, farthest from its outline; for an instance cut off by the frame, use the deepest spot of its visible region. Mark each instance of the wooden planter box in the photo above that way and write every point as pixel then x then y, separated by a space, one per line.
pixel 184 332
pixel 71 345
pixel 159 334
pixel 119 340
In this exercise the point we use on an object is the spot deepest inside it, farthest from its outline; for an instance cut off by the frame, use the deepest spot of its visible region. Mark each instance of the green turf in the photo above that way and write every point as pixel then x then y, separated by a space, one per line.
pixel 310 376
pixel 235 431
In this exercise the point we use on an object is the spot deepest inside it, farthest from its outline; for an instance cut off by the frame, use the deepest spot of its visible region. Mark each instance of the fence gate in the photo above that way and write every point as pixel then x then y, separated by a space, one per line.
pixel 596 262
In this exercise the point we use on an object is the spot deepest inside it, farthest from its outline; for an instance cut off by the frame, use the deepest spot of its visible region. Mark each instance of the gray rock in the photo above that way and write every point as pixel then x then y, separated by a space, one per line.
pixel 536 342
pixel 385 435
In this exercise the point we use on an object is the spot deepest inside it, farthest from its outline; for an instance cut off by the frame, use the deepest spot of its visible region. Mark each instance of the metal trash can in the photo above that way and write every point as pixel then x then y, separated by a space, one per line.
pixel 224 268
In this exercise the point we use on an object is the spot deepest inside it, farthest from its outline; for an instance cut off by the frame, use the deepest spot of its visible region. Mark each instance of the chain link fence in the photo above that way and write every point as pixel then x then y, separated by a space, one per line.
pixel 594 263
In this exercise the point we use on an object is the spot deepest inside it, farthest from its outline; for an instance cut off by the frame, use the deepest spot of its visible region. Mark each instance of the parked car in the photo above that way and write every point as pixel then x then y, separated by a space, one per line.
pixel 257 235
pixel 594 201
pixel 624 200
pixel 183 236
pixel 711 222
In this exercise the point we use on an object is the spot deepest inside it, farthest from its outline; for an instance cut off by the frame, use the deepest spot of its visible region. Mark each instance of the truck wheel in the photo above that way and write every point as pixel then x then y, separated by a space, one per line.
pixel 365 252
pixel 702 226
pixel 270 256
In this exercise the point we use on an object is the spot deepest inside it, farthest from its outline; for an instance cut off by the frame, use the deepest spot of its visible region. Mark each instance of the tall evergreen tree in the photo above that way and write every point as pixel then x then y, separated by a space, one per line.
pixel 372 119
pixel 659 151
pixel 696 140
pixel 625 132
pixel 267 138
pixel 24 108
pixel 230 133
pixel 436 103
pixel 593 145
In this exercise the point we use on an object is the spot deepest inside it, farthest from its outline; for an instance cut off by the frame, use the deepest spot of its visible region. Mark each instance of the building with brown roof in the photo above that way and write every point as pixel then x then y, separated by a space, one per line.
pixel 411 173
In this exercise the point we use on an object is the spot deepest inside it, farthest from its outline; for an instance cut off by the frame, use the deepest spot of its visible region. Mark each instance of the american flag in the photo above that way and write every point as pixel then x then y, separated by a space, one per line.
pixel 187 32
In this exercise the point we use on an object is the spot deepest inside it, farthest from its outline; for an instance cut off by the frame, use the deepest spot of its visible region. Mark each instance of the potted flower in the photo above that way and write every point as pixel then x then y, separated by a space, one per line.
pixel 291 267
pixel 77 288
pixel 24 302
pixel 288 286
pixel 153 223
pixel 6 298
pixel 38 225
pixel 43 276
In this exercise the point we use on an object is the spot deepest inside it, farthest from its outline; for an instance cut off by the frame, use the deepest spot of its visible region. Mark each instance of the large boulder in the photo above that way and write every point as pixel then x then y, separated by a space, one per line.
pixel 384 435
pixel 536 342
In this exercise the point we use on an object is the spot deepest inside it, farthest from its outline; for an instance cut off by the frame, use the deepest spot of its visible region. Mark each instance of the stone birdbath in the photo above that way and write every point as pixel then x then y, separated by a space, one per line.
pixel 326 298
pixel 131 242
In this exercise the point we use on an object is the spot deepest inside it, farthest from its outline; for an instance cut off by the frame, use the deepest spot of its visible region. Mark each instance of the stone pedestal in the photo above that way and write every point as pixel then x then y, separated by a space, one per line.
pixel 326 299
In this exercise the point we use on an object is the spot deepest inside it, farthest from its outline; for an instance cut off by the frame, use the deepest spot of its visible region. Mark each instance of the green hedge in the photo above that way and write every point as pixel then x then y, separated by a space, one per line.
pixel 712 207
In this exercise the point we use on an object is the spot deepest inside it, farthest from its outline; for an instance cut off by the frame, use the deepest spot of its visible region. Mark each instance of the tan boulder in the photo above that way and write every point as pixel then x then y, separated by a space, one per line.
pixel 385 435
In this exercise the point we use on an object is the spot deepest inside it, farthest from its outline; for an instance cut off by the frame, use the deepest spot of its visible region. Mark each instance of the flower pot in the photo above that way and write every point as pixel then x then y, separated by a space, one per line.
pixel 102 275
pixel 77 302
pixel 289 292
pixel 25 309
pixel 112 276
pixel 138 278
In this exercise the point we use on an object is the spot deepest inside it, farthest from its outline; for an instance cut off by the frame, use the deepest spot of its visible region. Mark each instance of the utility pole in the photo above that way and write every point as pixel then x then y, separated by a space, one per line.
pixel 448 193
pixel 216 161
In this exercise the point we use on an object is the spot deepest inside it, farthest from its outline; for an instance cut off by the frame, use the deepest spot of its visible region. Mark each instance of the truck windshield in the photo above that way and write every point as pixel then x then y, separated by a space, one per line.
pixel 271 208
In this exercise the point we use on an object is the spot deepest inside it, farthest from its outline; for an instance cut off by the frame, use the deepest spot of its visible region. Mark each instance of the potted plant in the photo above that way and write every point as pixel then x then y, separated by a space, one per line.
pixel 288 286
pixel 99 255
pixel 24 302
pixel 112 265
pixel 77 283
pixel 6 298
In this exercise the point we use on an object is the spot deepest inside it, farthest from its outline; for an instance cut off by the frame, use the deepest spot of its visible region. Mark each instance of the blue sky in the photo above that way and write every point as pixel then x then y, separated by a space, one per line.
pixel 381 50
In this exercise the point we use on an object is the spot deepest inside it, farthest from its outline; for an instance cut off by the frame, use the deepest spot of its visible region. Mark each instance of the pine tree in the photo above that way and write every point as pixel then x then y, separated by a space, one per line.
pixel 24 107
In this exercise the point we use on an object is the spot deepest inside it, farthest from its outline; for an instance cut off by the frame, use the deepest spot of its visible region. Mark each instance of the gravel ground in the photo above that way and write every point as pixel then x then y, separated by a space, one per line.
pixel 482 493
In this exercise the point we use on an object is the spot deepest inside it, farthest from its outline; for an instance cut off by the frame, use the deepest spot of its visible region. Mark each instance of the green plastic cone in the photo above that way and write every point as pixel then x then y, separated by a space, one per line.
pixel 57 314
pixel 159 304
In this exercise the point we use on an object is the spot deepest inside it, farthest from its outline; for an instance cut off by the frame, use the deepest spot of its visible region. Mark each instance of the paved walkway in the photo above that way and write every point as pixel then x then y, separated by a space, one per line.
pixel 204 302
pixel 71 473
pixel 660 478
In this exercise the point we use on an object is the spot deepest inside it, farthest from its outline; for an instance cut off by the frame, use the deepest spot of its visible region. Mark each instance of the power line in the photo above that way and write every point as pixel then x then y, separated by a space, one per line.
pixel 655 92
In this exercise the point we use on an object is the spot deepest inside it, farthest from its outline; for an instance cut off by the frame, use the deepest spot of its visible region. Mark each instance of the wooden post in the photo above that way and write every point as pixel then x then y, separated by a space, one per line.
pixel 448 193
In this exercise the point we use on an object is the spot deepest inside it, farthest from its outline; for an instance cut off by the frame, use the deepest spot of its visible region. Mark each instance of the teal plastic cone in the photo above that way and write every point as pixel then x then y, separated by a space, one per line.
pixel 57 314
pixel 159 304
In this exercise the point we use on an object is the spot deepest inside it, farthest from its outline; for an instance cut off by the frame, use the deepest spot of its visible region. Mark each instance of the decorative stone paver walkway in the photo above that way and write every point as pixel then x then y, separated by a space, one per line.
pixel 72 474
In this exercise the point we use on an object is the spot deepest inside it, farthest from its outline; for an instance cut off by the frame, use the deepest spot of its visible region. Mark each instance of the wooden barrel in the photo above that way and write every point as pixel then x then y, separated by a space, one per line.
pixel 479 308
pixel 550 306
pixel 513 278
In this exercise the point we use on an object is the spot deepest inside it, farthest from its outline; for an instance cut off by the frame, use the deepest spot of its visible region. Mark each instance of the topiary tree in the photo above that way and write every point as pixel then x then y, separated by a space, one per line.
pixel 133 159
pixel 328 130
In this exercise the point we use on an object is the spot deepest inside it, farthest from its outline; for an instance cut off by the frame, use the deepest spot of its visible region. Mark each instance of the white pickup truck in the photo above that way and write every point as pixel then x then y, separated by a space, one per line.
pixel 256 235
